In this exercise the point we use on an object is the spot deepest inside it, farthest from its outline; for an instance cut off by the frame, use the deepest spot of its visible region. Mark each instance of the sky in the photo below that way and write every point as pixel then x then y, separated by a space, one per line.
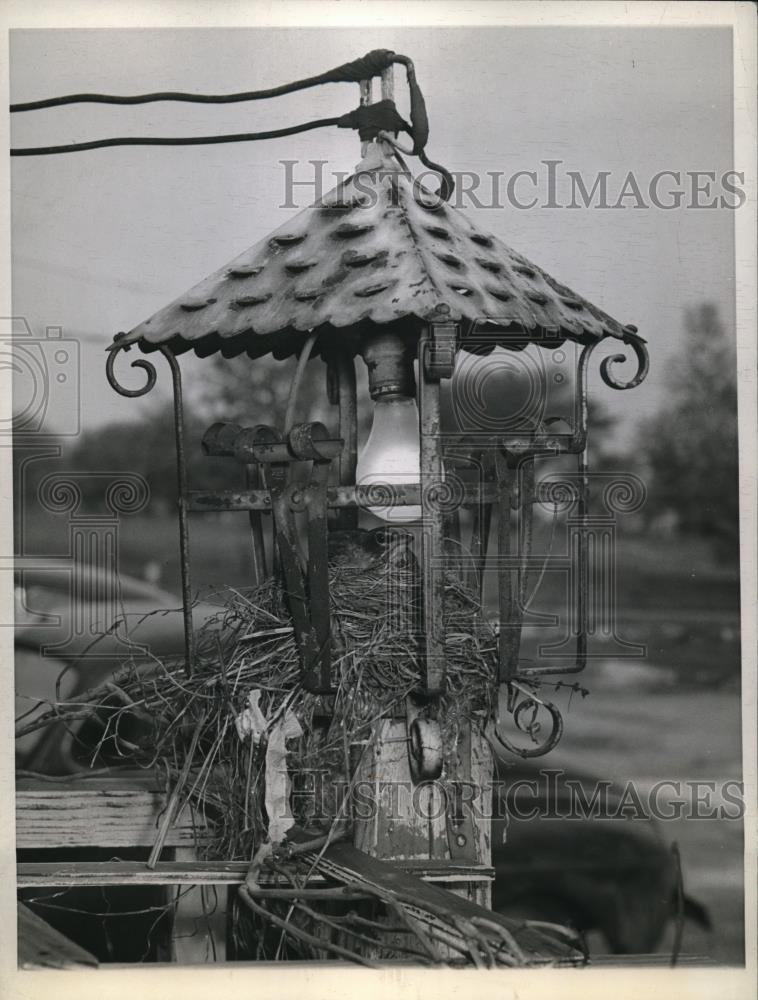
pixel 103 239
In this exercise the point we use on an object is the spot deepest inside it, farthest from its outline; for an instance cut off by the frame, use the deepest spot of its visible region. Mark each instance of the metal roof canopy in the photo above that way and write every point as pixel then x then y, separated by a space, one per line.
pixel 378 250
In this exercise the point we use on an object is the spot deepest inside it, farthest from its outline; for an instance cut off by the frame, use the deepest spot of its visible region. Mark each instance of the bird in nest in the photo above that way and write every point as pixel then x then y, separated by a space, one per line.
pixel 362 550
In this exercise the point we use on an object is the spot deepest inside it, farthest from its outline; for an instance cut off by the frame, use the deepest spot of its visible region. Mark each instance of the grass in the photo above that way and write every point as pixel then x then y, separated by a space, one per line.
pixel 672 596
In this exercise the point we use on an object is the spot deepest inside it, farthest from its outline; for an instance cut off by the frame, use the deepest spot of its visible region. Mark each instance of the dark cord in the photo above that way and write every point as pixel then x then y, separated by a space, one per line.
pixel 369 120
pixel 199 140
pixel 359 69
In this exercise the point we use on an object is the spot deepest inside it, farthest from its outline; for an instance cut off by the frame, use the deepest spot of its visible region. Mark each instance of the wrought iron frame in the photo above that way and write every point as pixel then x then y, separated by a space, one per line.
pixel 510 486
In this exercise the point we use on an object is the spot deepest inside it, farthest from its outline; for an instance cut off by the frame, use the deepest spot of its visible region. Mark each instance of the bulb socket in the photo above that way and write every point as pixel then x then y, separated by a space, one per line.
pixel 389 360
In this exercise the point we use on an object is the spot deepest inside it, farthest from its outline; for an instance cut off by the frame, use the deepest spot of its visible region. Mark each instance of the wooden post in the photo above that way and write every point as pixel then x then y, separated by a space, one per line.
pixel 442 823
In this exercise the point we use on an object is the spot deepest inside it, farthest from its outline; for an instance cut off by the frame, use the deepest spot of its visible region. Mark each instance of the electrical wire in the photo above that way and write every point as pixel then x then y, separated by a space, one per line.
pixel 369 120
pixel 371 64
pixel 199 140
pixel 302 361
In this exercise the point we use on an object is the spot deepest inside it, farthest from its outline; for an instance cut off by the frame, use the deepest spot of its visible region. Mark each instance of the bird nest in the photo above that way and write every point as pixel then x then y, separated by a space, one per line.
pixel 209 730
pixel 192 724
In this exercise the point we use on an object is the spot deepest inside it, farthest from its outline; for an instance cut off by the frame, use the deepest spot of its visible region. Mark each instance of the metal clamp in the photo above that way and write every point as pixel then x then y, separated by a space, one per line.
pixel 307 589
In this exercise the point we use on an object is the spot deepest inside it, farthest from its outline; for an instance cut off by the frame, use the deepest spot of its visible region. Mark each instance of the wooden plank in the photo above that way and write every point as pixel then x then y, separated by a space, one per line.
pixel 95 813
pixel 42 946
pixel 396 819
pixel 35 875
pixel 77 873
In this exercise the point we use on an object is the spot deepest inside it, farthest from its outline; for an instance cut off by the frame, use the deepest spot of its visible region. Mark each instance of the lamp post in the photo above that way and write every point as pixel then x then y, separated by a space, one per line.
pixel 382 272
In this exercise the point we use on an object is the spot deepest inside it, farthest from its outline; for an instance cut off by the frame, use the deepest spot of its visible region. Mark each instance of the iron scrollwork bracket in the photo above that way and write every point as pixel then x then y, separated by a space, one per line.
pixel 115 349
pixel 517 695
pixel 525 716
pixel 639 348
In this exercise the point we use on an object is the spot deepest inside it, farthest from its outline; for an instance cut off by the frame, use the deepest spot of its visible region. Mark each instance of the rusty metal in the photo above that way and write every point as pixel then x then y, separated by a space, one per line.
pixel 306 587
pixel 258 544
pixel 508 703
pixel 382 269
pixel 366 88
pixel 520 452
pixel 356 497
pixel 420 264
pixel 118 346
pixel 338 497
pixel 439 362
pixel 643 363
pixel 389 360
pixel 433 527
pixel 479 542
pixel 342 366
pixel 459 815
pixel 268 452
pixel 337 278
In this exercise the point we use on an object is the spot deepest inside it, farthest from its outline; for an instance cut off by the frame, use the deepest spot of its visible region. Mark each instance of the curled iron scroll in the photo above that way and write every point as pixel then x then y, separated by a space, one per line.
pixel 181 468
pixel 528 706
pixel 637 344
pixel 147 366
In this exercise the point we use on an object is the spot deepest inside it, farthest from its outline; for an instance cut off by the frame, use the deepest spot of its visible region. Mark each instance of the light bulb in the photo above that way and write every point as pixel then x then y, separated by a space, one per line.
pixel 391 455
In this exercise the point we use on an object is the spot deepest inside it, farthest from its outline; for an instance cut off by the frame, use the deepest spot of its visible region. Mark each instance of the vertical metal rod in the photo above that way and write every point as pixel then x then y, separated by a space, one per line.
pixel 481 524
pixel 347 400
pixel 582 622
pixel 432 531
pixel 505 583
pixel 181 477
pixel 582 571
pixel 388 84
pixel 253 482
pixel 486 532
pixel 453 534
pixel 525 523
pixel 518 600
pixel 366 90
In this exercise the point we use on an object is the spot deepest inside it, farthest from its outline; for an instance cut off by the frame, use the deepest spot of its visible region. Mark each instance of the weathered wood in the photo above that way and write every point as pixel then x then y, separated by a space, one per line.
pixel 406 823
pixel 393 817
pixel 97 812
pixel 37 875
pixel 40 945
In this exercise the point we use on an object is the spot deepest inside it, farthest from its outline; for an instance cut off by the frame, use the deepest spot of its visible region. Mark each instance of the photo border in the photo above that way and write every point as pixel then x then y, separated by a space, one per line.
pixel 336 980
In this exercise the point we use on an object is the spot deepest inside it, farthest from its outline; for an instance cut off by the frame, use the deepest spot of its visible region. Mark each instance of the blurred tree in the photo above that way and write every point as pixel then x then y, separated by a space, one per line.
pixel 692 440
pixel 146 447
pixel 256 392
pixel 239 390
